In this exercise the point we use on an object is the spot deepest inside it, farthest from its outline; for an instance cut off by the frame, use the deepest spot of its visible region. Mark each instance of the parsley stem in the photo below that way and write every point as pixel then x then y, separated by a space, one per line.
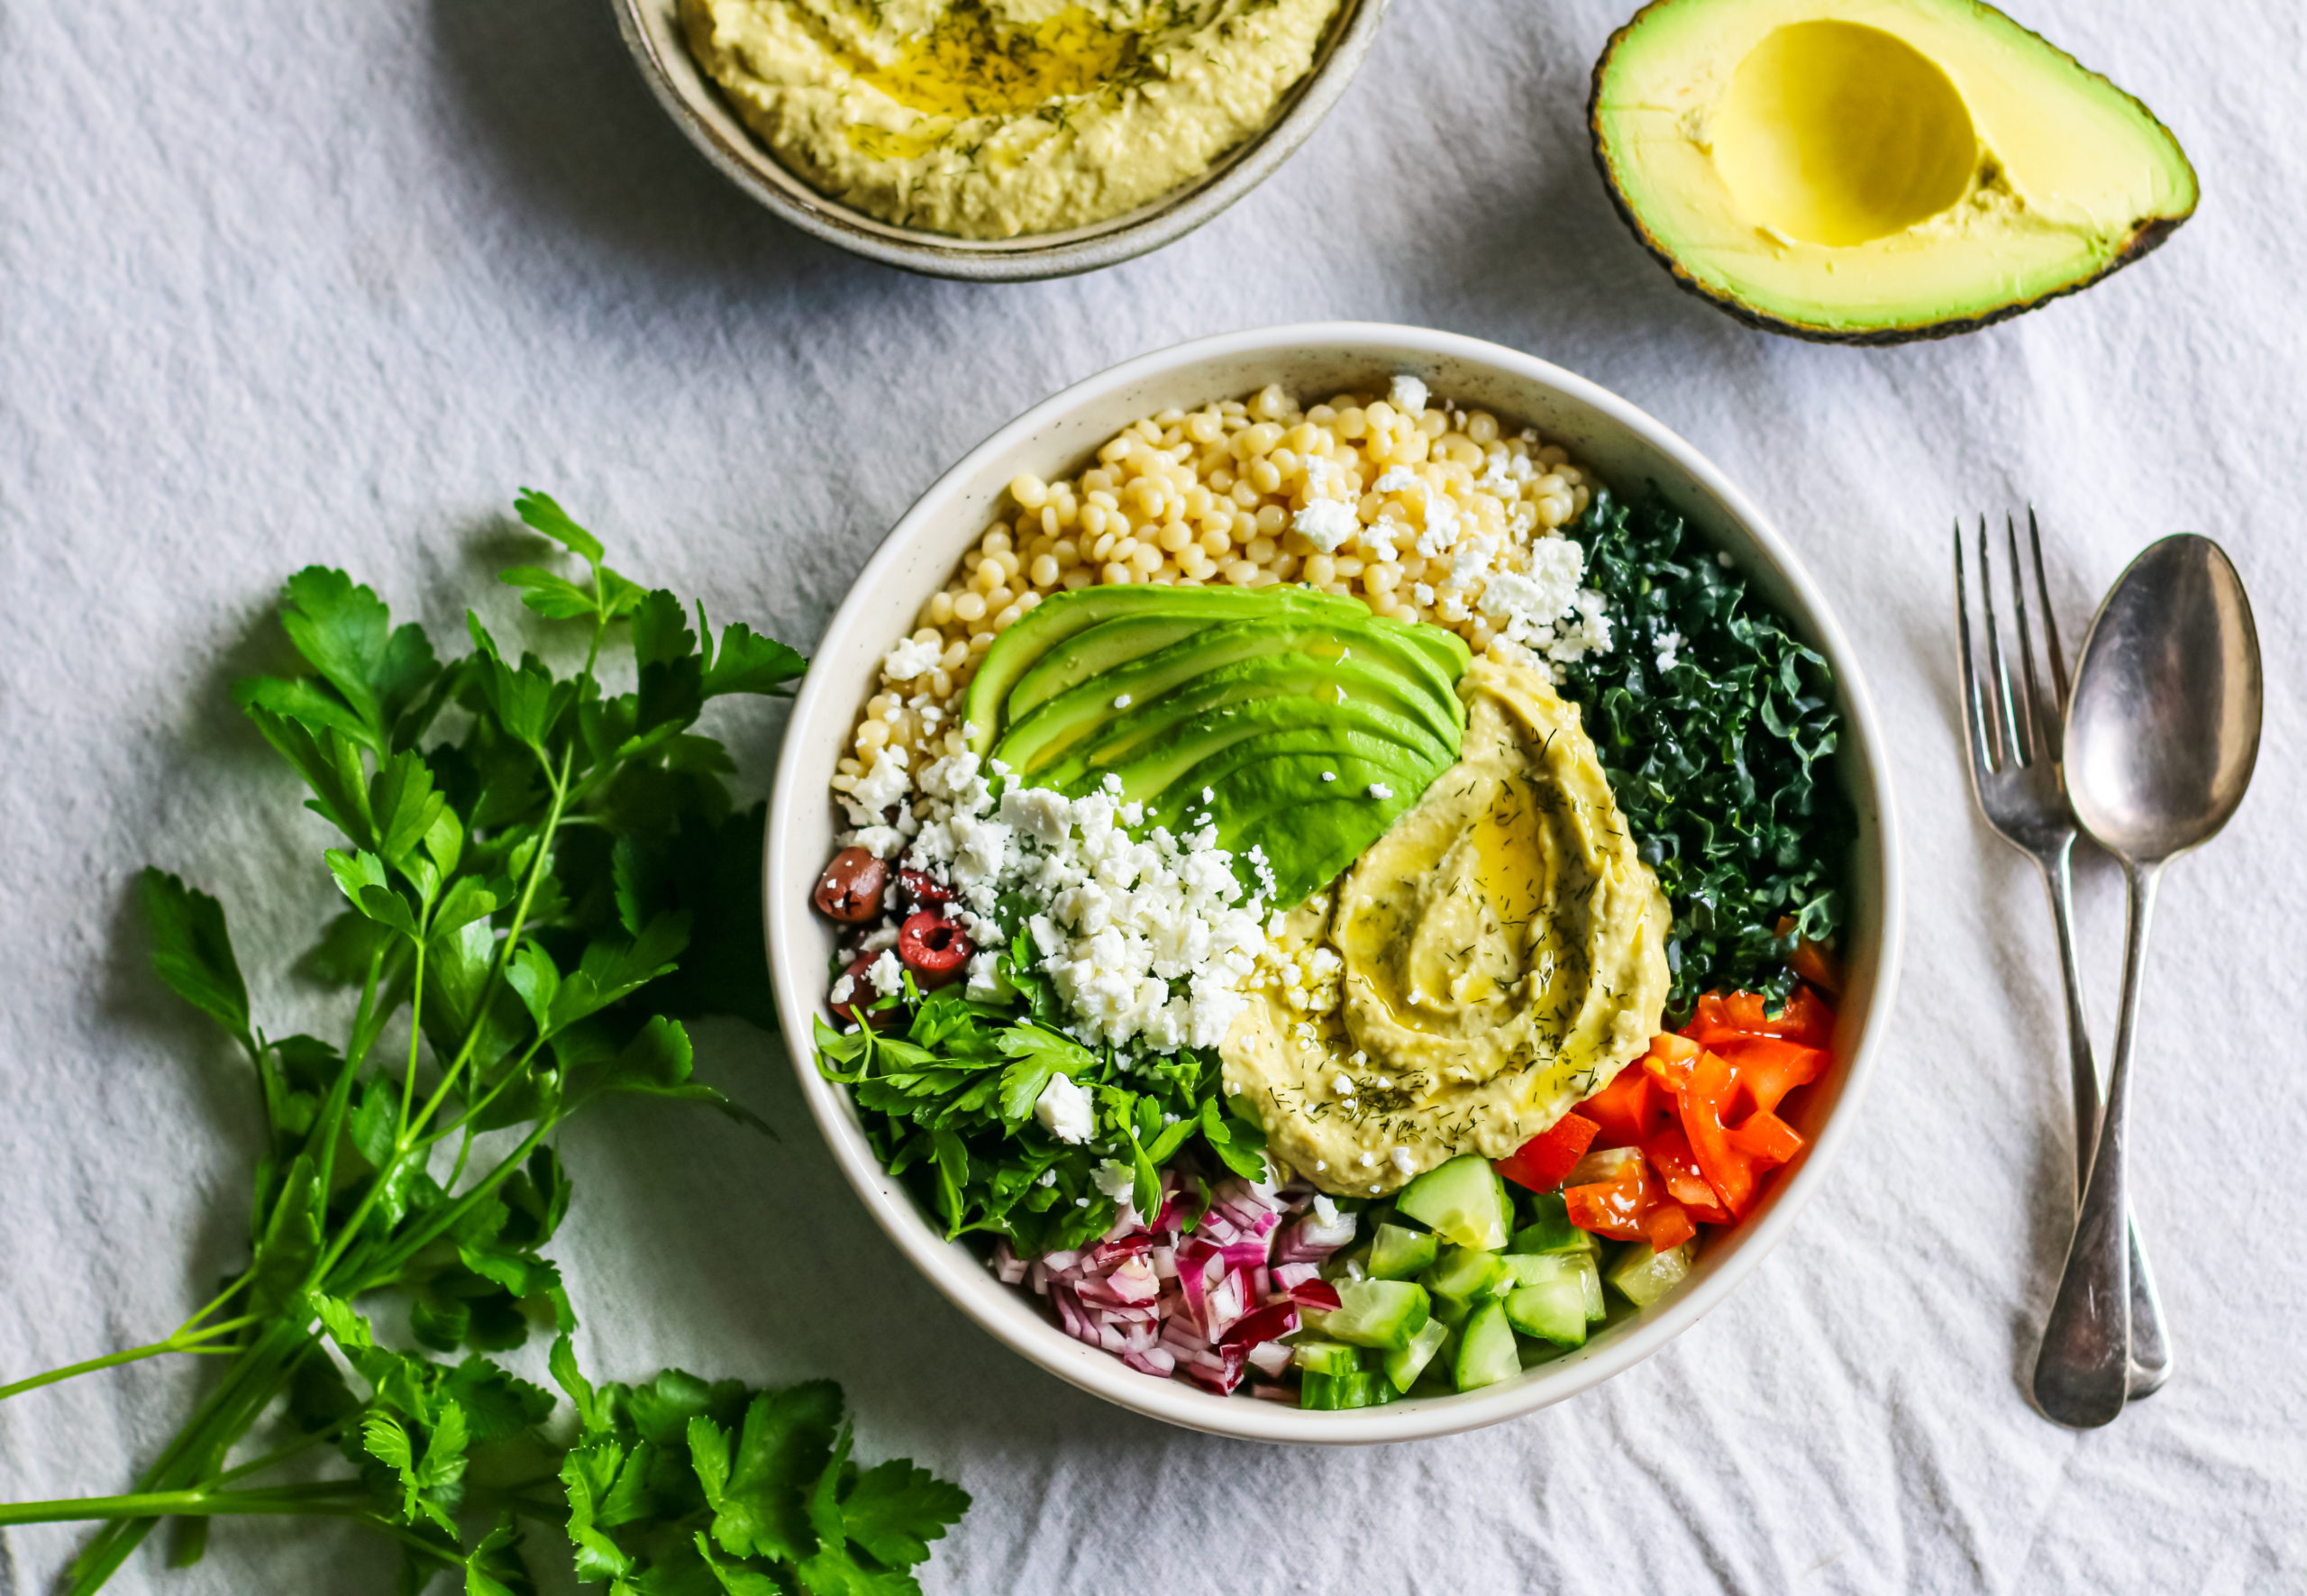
pixel 317 1496
pixel 415 1037
pixel 179 1341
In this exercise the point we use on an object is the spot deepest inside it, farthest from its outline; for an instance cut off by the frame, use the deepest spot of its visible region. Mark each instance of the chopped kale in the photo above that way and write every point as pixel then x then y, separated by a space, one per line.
pixel 1723 760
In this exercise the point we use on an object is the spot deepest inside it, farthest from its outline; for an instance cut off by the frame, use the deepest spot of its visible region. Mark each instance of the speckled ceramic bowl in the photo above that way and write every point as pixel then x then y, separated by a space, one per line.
pixel 652 33
pixel 1056 438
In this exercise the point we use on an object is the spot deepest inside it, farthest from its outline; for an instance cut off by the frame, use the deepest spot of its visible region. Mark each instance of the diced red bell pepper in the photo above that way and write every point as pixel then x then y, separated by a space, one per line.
pixel 1766 1139
pixel 1629 1110
pixel 1669 1153
pixel 1667 1226
pixel 1804 1019
pixel 1612 1207
pixel 1769 1067
pixel 1705 1104
pixel 1541 1163
pixel 1634 1207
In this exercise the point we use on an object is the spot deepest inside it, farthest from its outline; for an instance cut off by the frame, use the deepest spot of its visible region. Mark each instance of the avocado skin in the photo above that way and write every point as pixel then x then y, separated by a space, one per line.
pixel 2145 241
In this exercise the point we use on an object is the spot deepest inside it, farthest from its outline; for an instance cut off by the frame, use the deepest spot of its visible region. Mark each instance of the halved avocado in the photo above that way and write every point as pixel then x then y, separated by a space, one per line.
pixel 1875 172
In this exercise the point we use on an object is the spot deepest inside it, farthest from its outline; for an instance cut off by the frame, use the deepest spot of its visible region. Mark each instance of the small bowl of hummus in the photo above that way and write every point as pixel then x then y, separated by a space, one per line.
pixel 1335 883
pixel 997 140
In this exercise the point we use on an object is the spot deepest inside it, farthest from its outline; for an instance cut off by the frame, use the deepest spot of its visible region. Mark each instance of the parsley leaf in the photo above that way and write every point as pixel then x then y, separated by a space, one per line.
pixel 523 896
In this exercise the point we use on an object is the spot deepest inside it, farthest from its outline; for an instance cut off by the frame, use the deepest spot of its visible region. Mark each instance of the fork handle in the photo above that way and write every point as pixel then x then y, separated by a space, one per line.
pixel 2150 1342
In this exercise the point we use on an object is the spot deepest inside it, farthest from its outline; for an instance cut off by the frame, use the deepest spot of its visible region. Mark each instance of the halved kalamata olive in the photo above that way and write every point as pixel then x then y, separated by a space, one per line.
pixel 861 993
pixel 850 890
pixel 935 949
pixel 921 889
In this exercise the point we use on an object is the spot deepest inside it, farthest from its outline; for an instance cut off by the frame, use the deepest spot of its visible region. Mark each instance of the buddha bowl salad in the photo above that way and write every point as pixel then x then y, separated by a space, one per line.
pixel 1336 901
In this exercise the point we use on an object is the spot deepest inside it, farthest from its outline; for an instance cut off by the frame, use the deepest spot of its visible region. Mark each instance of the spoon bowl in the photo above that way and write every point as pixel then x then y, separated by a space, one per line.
pixel 2162 732
pixel 2164 726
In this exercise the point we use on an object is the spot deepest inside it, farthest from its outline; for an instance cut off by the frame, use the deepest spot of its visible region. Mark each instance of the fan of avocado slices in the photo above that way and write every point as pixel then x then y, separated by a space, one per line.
pixel 1297 723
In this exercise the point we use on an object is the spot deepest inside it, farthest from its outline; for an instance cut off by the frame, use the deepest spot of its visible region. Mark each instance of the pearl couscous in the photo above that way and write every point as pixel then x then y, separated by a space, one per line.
pixel 1414 508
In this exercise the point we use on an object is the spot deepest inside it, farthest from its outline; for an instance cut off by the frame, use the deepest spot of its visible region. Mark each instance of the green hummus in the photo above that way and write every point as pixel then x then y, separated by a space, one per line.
pixel 991 118
pixel 1500 955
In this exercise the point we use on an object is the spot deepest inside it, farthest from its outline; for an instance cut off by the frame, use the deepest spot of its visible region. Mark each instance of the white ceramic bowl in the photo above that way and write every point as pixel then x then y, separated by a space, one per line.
pixel 652 33
pixel 1631 453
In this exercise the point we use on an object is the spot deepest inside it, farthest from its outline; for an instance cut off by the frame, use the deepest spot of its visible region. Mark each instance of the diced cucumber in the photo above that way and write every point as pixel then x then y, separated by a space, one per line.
pixel 1643 1276
pixel 1327 1357
pixel 1468 1275
pixel 1550 1229
pixel 1545 1268
pixel 1405 1366
pixel 1462 1201
pixel 1486 1350
pixel 1380 1313
pixel 1553 1310
pixel 1451 1310
pixel 1397 1252
pixel 1332 1392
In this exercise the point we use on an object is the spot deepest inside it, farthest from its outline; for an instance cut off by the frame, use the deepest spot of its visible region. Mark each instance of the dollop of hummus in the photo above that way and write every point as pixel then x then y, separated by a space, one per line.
pixel 987 119
pixel 1499 955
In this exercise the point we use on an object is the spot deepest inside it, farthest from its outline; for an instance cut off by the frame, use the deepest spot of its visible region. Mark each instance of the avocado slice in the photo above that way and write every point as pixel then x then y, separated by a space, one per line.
pixel 1929 171
pixel 1103 718
pixel 1187 754
pixel 1045 627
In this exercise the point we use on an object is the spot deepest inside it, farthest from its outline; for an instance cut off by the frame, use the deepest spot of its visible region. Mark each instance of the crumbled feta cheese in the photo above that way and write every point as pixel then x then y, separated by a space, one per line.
pixel 1368 1160
pixel 886 973
pixel 986 982
pixel 1326 524
pixel 1406 394
pixel 1121 701
pixel 1329 775
pixel 1381 791
pixel 910 660
pixel 1669 646
pixel 1065 1109
pixel 1421 593
pixel 1114 1180
pixel 1404 1159
pixel 1343 1084
pixel 840 990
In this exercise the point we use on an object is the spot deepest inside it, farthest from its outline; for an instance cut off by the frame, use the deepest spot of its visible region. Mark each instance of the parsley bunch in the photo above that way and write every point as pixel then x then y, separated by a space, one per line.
pixel 1722 764
pixel 948 1107
pixel 523 895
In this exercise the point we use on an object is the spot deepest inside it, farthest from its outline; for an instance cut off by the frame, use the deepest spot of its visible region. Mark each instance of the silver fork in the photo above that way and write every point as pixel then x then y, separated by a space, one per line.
pixel 2017 772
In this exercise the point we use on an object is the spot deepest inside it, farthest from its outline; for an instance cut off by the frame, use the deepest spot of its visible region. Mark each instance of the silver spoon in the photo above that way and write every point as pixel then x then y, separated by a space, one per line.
pixel 2161 734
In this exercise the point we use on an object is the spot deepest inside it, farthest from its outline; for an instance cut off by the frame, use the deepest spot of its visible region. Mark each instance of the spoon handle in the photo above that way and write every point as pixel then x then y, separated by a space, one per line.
pixel 2150 1342
pixel 2082 1374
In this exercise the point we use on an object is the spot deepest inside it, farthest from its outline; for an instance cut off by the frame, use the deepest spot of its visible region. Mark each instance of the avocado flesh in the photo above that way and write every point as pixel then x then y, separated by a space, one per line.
pixel 1247 729
pixel 1875 170
pixel 1224 664
pixel 1051 624
pixel 1306 839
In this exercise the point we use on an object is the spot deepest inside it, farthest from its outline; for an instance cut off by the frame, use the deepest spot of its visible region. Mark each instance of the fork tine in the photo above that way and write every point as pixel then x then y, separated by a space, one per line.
pixel 2042 719
pixel 2050 616
pixel 2012 739
pixel 1975 719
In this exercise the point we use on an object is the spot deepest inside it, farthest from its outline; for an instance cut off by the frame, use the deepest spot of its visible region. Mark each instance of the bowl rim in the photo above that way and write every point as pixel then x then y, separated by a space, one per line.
pixel 694 104
pixel 966 1281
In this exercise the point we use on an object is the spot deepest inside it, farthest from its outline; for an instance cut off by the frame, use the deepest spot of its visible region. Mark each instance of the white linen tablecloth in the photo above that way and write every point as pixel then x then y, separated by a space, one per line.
pixel 328 281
